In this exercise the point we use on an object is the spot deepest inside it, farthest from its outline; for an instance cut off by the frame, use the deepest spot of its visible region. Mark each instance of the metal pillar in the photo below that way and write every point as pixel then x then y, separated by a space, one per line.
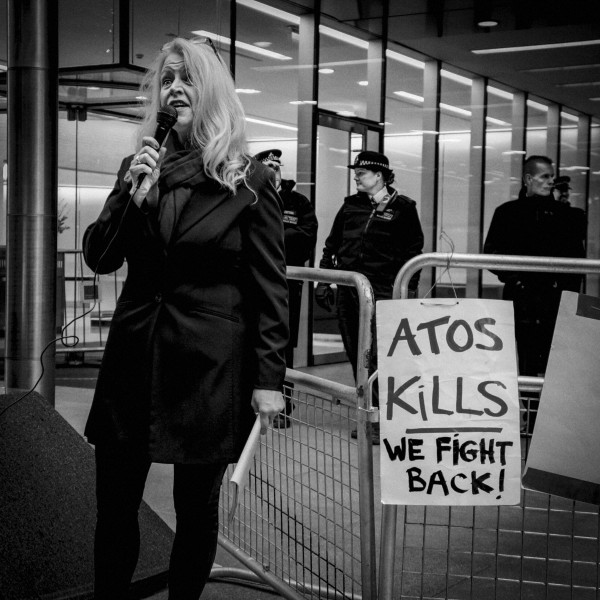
pixel 32 194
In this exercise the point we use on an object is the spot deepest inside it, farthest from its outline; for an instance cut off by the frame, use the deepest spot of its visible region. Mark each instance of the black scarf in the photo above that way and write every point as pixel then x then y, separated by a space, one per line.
pixel 180 173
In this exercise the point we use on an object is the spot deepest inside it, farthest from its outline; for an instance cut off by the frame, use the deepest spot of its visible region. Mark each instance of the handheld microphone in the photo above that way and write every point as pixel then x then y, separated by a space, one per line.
pixel 166 117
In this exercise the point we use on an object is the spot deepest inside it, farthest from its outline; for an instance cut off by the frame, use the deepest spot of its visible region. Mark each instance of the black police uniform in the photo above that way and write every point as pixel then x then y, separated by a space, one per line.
pixel 300 230
pixel 375 240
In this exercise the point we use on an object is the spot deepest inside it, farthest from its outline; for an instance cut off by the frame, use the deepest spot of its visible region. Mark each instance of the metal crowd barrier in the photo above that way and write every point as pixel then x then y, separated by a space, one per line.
pixel 547 547
pixel 305 523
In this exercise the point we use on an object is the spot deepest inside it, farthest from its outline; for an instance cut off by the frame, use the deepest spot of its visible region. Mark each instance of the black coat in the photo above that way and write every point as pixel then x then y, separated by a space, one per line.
pixel 201 321
pixel 375 241
pixel 300 231
pixel 536 226
pixel 299 224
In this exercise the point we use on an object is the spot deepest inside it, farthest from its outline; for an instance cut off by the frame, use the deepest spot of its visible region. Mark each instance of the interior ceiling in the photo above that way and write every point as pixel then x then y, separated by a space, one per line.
pixel 447 30
pixel 442 29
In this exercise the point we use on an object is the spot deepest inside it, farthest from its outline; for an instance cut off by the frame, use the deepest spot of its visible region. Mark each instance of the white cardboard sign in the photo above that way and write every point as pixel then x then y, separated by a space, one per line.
pixel 449 403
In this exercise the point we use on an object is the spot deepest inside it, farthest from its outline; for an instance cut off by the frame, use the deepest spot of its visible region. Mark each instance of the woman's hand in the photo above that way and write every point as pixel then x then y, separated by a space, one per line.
pixel 146 161
pixel 268 404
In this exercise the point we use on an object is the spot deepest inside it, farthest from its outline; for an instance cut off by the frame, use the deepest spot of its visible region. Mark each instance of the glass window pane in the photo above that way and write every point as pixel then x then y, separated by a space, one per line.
pixel 3 36
pixel 573 159
pixel 87 169
pixel 3 176
pixel 267 48
pixel 336 149
pixel 403 139
pixel 454 170
pixel 593 245
pixel 343 77
pixel 497 168
pixel 536 138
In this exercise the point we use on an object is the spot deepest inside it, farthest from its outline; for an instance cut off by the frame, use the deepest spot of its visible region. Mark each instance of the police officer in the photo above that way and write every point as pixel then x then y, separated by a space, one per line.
pixel 374 233
pixel 300 230
pixel 562 189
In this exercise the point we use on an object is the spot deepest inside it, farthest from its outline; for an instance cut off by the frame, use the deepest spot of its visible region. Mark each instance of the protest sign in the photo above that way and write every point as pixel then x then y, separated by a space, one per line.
pixel 564 456
pixel 449 404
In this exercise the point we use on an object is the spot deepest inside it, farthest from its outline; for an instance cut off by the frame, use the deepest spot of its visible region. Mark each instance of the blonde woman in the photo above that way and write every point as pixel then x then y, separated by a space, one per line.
pixel 197 340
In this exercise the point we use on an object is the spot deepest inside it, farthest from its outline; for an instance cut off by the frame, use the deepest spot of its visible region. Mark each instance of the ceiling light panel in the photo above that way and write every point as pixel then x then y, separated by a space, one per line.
pixel 407 60
pixel 343 37
pixel 535 47
pixel 578 84
pixel 269 10
pixel 565 68
pixel 500 93
pixel 454 77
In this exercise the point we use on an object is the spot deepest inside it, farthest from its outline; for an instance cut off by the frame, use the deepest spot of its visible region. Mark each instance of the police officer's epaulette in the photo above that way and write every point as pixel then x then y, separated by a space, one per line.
pixel 406 199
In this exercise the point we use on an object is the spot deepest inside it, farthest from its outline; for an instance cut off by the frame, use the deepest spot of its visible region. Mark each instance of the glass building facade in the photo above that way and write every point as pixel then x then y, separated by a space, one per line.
pixel 321 81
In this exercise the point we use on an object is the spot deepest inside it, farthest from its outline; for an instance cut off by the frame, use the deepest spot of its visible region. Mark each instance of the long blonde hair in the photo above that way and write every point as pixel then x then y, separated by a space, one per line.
pixel 219 124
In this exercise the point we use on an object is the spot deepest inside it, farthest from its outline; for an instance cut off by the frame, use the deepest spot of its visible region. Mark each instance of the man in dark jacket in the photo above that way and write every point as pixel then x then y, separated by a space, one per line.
pixel 300 230
pixel 535 225
pixel 374 233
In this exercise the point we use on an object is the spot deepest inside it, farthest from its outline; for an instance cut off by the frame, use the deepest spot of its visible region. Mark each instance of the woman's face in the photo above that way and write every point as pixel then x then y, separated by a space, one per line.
pixel 368 181
pixel 177 91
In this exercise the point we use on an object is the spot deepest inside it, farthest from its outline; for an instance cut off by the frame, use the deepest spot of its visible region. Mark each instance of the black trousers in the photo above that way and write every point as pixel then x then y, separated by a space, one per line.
pixel 536 309
pixel 120 480
pixel 348 313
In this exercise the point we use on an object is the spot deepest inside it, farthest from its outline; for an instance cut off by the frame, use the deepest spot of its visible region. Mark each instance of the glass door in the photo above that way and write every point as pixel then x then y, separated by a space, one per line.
pixel 338 143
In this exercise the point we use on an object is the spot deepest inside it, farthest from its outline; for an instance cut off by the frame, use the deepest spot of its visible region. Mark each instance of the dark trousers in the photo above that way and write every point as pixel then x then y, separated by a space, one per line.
pixel 536 309
pixel 348 313
pixel 120 479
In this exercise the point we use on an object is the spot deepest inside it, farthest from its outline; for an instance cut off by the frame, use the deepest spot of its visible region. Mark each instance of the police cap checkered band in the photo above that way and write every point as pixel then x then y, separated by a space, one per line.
pixel 273 155
pixel 562 183
pixel 373 161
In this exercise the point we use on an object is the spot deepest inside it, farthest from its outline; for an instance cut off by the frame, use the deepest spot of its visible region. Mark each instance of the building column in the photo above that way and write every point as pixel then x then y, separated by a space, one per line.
pixel 32 195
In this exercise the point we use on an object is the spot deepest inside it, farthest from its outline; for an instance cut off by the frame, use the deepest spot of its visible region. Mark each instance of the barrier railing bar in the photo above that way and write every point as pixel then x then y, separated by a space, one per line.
pixel 233 573
pixel 253 565
pixel 338 390
pixel 499 262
